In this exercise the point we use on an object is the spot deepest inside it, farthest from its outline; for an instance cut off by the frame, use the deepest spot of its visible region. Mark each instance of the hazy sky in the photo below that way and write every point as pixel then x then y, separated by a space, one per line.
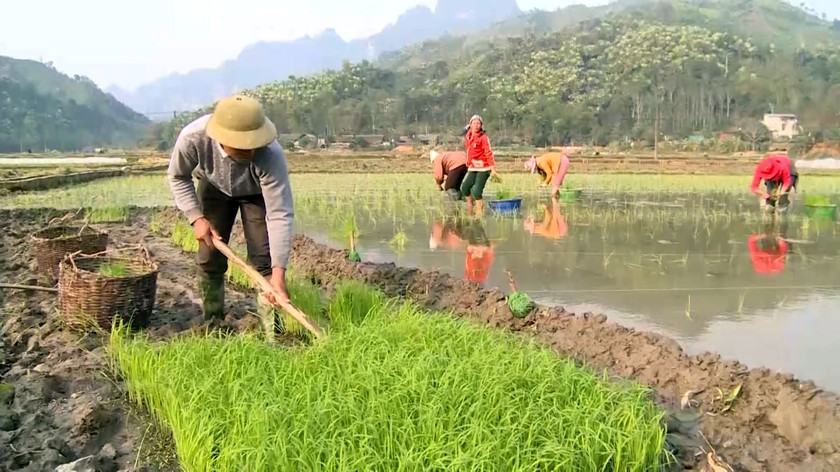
pixel 129 43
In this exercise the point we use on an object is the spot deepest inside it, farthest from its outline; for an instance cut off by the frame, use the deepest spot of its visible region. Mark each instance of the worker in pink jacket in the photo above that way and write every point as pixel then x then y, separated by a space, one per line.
pixel 449 169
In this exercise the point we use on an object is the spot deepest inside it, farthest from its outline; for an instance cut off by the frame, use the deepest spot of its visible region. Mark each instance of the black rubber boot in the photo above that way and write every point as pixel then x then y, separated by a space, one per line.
pixel 212 294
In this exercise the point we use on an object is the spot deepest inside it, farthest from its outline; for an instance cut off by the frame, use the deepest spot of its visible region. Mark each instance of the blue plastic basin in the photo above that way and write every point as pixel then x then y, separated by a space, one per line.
pixel 509 205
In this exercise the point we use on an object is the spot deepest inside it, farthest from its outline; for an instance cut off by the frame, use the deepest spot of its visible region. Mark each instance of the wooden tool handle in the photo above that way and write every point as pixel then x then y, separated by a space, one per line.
pixel 266 287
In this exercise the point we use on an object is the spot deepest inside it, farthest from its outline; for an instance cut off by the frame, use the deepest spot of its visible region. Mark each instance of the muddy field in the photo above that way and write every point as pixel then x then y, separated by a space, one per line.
pixel 59 402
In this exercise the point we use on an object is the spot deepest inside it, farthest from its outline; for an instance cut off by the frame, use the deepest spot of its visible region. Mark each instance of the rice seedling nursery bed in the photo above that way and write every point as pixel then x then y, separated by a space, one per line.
pixel 397 390
pixel 403 383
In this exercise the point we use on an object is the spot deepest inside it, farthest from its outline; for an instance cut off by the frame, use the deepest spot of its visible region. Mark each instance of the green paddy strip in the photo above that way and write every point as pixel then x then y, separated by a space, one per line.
pixel 390 388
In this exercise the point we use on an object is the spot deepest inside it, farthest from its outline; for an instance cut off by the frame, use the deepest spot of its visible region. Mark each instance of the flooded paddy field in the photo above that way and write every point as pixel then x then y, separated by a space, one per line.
pixel 689 258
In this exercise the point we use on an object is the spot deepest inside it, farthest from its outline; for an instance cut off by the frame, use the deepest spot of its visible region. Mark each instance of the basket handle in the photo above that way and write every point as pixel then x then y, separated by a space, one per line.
pixel 82 229
pixel 71 258
pixel 62 219
pixel 137 247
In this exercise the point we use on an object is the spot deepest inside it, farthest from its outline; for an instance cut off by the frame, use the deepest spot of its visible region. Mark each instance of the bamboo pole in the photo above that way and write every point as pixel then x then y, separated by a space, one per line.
pixel 261 281
pixel 29 287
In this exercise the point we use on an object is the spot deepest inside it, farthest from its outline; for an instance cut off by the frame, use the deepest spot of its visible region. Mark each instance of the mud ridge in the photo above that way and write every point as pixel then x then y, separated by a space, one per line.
pixel 776 423
pixel 58 402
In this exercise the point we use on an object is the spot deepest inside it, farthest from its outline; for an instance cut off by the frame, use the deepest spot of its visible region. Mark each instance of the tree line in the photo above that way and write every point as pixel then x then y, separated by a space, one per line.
pixel 607 81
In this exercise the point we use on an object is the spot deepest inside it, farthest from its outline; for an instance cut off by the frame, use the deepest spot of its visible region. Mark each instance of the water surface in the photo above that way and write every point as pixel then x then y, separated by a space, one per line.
pixel 710 271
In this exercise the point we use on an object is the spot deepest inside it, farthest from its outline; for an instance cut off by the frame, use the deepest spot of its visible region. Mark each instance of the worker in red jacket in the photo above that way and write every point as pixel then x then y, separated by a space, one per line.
pixel 480 164
pixel 778 173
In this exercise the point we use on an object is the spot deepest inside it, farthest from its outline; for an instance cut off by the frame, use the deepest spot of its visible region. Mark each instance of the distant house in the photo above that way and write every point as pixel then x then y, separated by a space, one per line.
pixel 296 138
pixel 369 139
pixel 781 125
pixel 427 139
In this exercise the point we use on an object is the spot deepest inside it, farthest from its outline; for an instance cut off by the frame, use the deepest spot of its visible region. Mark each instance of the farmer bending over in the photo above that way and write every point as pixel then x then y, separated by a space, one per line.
pixel 240 167
pixel 449 168
pixel 779 174
pixel 480 164
pixel 552 167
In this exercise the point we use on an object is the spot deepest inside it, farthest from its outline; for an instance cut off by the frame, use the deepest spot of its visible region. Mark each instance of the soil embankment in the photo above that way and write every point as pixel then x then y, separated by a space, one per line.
pixel 62 407
pixel 58 403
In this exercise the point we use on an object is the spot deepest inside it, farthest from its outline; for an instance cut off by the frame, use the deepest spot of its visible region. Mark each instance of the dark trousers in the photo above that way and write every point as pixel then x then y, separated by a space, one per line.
pixel 474 183
pixel 455 177
pixel 220 210
pixel 452 183
pixel 772 185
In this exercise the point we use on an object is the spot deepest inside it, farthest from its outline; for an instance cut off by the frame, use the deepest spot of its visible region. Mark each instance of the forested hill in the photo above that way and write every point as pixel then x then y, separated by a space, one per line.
pixel 601 80
pixel 776 22
pixel 41 107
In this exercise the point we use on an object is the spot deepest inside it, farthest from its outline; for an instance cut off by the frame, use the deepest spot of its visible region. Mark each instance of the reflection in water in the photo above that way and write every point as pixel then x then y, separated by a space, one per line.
pixel 455 233
pixel 768 251
pixel 640 259
pixel 553 224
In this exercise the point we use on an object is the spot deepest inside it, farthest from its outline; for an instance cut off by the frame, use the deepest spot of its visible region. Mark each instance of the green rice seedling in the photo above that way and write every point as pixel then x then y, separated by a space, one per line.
pixel 113 269
pixel 158 223
pixel 183 237
pixel 353 302
pixel 406 391
pixel 399 240
pixel 306 297
pixel 106 214
pixel 237 276
pixel 351 229
pixel 152 190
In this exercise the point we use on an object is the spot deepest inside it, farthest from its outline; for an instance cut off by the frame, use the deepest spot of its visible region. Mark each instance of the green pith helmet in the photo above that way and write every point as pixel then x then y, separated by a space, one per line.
pixel 239 122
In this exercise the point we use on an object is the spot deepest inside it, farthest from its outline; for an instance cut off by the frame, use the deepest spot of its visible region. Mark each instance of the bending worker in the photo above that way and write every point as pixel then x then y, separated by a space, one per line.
pixel 780 176
pixel 240 168
pixel 449 169
pixel 552 167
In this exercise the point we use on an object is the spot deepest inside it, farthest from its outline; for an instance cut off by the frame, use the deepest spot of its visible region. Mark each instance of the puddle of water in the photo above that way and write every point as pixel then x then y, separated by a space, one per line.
pixel 709 271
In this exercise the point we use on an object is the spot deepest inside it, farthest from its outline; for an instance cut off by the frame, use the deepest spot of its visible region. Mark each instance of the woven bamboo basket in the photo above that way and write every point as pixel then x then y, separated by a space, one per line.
pixel 88 297
pixel 53 244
